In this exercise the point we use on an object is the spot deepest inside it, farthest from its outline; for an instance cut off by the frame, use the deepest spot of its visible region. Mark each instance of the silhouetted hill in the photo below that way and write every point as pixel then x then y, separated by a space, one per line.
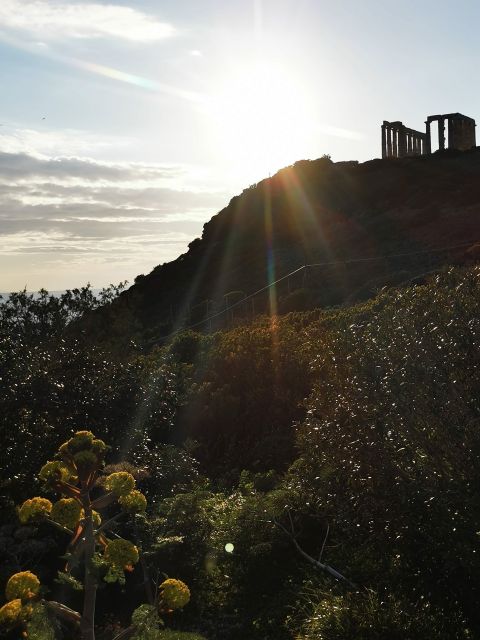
pixel 382 222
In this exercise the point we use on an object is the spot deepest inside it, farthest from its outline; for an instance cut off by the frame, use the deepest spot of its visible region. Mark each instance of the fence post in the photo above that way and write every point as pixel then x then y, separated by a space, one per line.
pixel 305 276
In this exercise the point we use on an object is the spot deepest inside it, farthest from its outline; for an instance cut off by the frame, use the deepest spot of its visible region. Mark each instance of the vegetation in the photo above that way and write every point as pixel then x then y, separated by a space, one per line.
pixel 310 477
pixel 94 548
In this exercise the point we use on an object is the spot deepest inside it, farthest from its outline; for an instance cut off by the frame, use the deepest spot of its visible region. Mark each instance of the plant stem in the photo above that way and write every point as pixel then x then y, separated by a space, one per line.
pixel 62 611
pixel 87 624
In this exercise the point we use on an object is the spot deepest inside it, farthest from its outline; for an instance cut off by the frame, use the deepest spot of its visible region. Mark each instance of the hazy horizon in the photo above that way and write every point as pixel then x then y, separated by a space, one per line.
pixel 127 124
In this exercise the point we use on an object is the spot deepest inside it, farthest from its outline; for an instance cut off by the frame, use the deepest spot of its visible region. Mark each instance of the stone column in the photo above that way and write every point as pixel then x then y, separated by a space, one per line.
pixel 395 142
pixel 451 142
pixel 384 141
pixel 389 141
pixel 428 143
pixel 402 142
pixel 441 134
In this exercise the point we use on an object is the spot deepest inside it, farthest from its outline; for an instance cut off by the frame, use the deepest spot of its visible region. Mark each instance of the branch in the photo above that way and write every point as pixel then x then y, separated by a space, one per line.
pixel 324 542
pixel 59 526
pixel 75 555
pixel 126 633
pixel 146 574
pixel 77 533
pixel 67 489
pixel 317 563
pixel 104 501
pixel 61 611
pixel 107 523
pixel 146 580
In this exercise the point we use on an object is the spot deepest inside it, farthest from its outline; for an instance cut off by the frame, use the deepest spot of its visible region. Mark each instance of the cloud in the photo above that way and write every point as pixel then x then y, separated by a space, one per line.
pixel 49 19
pixel 24 166
pixel 66 142
pixel 115 219
pixel 56 242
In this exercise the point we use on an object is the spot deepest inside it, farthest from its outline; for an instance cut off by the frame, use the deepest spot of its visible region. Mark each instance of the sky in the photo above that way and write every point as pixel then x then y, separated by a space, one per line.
pixel 125 125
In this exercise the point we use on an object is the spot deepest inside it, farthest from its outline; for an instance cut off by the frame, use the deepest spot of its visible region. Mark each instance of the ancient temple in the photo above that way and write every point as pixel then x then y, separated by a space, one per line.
pixel 399 141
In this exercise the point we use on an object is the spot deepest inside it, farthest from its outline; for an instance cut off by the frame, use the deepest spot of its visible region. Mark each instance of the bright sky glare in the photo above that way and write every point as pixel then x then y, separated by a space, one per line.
pixel 127 124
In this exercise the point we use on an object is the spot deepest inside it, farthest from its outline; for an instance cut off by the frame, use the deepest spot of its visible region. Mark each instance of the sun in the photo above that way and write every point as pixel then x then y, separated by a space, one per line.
pixel 263 119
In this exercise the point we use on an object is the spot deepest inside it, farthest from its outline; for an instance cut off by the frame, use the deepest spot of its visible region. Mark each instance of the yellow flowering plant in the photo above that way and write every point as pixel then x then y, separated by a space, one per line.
pixel 24 585
pixel 93 549
pixel 23 608
pixel 173 594
pixel 10 613
pixel 67 512
pixel 34 509
pixel 133 502
pixel 121 483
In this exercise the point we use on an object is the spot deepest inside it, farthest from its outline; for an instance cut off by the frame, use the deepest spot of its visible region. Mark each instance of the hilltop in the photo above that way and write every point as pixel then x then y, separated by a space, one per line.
pixel 381 223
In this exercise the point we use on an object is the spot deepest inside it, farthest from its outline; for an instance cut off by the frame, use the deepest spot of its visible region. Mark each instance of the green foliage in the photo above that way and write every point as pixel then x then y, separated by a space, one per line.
pixel 149 626
pixel 390 446
pixel 168 470
pixel 48 389
pixel 244 580
pixel 169 634
pixel 375 410
pixel 187 346
pixel 69 580
pixel 368 616
pixel 40 625
pixel 43 316
pixel 247 390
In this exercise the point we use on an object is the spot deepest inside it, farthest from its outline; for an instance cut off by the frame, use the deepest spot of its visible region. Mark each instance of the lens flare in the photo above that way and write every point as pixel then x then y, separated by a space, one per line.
pixel 103 70
pixel 267 210
pixel 138 81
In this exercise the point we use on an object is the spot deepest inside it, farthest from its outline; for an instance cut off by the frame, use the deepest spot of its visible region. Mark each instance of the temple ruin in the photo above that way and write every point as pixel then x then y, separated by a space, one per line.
pixel 398 141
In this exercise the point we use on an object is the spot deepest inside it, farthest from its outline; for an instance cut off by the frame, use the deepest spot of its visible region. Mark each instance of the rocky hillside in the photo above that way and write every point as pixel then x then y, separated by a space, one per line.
pixel 364 225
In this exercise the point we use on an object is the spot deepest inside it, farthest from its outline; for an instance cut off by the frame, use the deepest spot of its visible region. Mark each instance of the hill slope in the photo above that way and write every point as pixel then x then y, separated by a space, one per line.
pixel 358 216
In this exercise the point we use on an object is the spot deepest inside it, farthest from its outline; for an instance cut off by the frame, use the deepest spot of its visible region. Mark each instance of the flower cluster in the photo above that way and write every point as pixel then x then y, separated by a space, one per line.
pixel 121 483
pixel 20 590
pixel 84 451
pixel 133 502
pixel 67 512
pixel 23 585
pixel 121 553
pixel 81 441
pixel 10 613
pixel 174 594
pixel 34 509
pixel 55 471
